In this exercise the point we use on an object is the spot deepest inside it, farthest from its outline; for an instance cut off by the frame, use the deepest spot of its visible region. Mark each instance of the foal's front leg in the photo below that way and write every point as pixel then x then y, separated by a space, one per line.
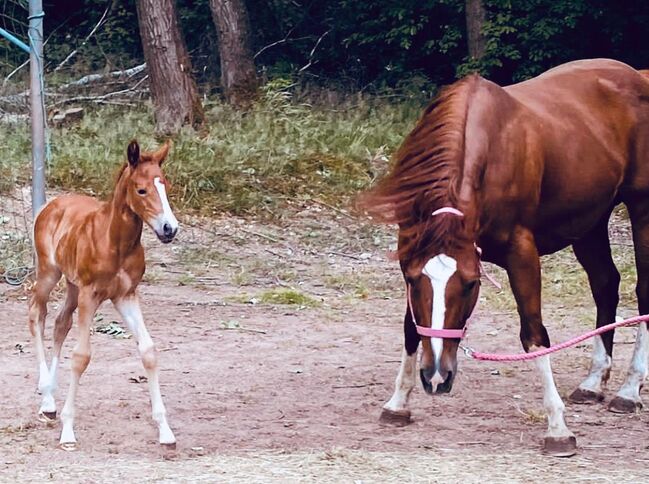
pixel 524 271
pixel 129 308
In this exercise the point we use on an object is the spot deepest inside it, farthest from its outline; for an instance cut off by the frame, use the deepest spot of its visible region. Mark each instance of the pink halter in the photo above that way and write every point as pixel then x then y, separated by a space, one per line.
pixel 448 333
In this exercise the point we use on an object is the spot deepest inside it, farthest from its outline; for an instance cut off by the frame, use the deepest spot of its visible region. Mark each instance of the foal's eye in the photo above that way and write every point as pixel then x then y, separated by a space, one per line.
pixel 141 191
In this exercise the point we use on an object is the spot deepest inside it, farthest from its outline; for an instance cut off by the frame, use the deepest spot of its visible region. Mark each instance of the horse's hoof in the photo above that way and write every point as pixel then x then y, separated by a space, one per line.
pixel 399 418
pixel 581 396
pixel 47 417
pixel 624 405
pixel 169 446
pixel 68 446
pixel 560 446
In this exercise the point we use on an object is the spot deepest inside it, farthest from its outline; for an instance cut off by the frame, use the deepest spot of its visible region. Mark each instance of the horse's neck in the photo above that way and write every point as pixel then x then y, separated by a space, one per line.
pixel 124 226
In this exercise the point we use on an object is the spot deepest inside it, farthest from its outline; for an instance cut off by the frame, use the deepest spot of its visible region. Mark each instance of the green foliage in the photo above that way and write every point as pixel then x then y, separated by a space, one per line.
pixel 279 152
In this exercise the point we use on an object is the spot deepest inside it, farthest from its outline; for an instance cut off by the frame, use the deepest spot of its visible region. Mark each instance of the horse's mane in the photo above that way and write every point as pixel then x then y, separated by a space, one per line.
pixel 425 175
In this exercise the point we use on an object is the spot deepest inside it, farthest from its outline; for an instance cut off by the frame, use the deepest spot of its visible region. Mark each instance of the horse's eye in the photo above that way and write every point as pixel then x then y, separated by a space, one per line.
pixel 141 191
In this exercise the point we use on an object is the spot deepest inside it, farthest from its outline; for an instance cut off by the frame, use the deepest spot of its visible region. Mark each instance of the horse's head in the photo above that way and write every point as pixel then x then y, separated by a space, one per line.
pixel 146 190
pixel 443 289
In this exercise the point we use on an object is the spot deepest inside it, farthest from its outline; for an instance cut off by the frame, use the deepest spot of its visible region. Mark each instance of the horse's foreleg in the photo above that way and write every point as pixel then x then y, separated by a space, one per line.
pixel 129 308
pixel 395 411
pixel 594 254
pixel 524 271
pixel 80 359
pixel 628 399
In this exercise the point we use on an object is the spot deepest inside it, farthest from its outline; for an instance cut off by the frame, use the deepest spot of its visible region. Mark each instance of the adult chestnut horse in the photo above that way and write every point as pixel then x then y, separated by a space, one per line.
pixel 96 246
pixel 520 172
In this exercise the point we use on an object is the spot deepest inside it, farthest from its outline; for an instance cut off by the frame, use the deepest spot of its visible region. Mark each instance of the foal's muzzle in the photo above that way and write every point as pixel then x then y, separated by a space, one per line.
pixel 168 233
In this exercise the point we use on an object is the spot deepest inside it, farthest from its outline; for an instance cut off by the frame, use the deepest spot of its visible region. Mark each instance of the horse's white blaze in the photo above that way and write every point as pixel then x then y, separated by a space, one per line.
pixel 638 370
pixel 439 270
pixel 167 216
pixel 599 367
pixel 130 311
pixel 551 400
pixel 404 383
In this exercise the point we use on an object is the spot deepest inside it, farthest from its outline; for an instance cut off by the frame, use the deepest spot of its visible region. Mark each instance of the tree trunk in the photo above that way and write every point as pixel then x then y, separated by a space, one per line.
pixel 238 73
pixel 173 90
pixel 475 20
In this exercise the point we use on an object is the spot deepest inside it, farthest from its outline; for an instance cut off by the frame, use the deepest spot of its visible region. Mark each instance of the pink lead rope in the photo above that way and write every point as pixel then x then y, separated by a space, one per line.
pixel 478 355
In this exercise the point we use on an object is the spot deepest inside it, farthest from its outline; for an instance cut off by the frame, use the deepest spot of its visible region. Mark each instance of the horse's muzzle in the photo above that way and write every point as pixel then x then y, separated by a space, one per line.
pixel 428 374
pixel 168 233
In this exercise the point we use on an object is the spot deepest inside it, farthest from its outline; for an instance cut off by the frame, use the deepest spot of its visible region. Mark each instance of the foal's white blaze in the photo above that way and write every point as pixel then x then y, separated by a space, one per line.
pixel 130 311
pixel 439 270
pixel 404 384
pixel 167 216
pixel 599 367
pixel 638 370
pixel 551 400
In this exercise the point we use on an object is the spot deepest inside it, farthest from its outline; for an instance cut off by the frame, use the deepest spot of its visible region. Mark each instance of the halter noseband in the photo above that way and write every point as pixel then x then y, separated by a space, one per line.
pixel 447 333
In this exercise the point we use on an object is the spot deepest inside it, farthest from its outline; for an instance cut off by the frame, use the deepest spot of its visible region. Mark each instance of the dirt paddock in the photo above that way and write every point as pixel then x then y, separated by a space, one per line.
pixel 259 390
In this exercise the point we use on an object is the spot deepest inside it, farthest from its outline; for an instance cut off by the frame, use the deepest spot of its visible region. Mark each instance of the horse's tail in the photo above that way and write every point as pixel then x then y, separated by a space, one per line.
pixel 426 167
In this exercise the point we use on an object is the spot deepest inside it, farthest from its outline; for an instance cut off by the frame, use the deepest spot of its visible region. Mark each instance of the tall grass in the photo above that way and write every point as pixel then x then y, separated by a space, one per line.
pixel 248 163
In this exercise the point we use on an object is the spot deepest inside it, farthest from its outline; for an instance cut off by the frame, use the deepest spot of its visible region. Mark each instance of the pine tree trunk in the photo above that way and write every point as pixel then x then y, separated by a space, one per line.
pixel 475 20
pixel 173 90
pixel 238 73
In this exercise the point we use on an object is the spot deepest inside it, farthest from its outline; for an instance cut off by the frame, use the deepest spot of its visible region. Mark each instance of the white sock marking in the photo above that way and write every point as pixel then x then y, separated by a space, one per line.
pixel 638 370
pixel 439 270
pixel 404 383
pixel 599 367
pixel 551 400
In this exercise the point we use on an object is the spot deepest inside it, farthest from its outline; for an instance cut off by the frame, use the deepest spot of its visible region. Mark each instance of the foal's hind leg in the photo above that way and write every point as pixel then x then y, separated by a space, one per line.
pixel 62 325
pixel 395 410
pixel 628 399
pixel 47 277
pixel 129 308
pixel 594 254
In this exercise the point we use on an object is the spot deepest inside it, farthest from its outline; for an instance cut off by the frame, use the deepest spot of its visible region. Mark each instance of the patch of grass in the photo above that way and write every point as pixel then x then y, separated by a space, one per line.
pixel 248 163
pixel 287 296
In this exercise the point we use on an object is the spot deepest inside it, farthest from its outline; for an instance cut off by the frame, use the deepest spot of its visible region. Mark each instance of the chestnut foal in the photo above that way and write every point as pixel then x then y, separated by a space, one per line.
pixel 96 246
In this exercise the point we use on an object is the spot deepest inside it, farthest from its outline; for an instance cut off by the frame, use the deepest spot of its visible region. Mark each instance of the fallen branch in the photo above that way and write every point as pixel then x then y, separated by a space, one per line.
pixel 94 78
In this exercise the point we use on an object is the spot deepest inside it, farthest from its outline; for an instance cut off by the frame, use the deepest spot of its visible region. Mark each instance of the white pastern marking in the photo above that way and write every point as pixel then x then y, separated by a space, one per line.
pixel 599 367
pixel 551 400
pixel 439 270
pixel 167 216
pixel 404 383
pixel 638 370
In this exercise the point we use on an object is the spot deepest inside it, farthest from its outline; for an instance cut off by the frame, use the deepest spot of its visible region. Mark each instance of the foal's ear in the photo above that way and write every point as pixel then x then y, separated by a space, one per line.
pixel 133 153
pixel 160 155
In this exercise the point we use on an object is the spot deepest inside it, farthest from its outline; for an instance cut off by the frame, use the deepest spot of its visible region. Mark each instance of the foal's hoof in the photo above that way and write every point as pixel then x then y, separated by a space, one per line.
pixel 47 417
pixel 624 405
pixel 560 446
pixel 167 447
pixel 585 396
pixel 68 446
pixel 399 418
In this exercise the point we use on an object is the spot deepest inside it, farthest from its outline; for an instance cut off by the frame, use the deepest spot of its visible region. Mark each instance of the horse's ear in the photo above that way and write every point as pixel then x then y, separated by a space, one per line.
pixel 133 153
pixel 160 155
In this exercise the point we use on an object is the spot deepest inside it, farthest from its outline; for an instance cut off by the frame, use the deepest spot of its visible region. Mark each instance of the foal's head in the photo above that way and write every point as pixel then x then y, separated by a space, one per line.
pixel 146 190
pixel 443 285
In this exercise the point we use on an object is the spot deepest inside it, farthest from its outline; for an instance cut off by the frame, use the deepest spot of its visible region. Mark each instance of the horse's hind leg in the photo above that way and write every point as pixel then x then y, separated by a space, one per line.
pixel 395 411
pixel 47 277
pixel 62 325
pixel 628 399
pixel 594 254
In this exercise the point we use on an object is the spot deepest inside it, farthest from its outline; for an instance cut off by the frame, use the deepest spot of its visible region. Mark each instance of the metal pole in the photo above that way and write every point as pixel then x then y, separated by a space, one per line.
pixel 36 98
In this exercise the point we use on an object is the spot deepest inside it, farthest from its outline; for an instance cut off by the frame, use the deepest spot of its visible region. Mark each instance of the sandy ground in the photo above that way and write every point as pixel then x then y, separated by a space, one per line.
pixel 274 392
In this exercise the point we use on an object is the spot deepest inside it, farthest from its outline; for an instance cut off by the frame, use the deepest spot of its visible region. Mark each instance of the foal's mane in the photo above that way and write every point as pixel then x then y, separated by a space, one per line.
pixel 425 175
